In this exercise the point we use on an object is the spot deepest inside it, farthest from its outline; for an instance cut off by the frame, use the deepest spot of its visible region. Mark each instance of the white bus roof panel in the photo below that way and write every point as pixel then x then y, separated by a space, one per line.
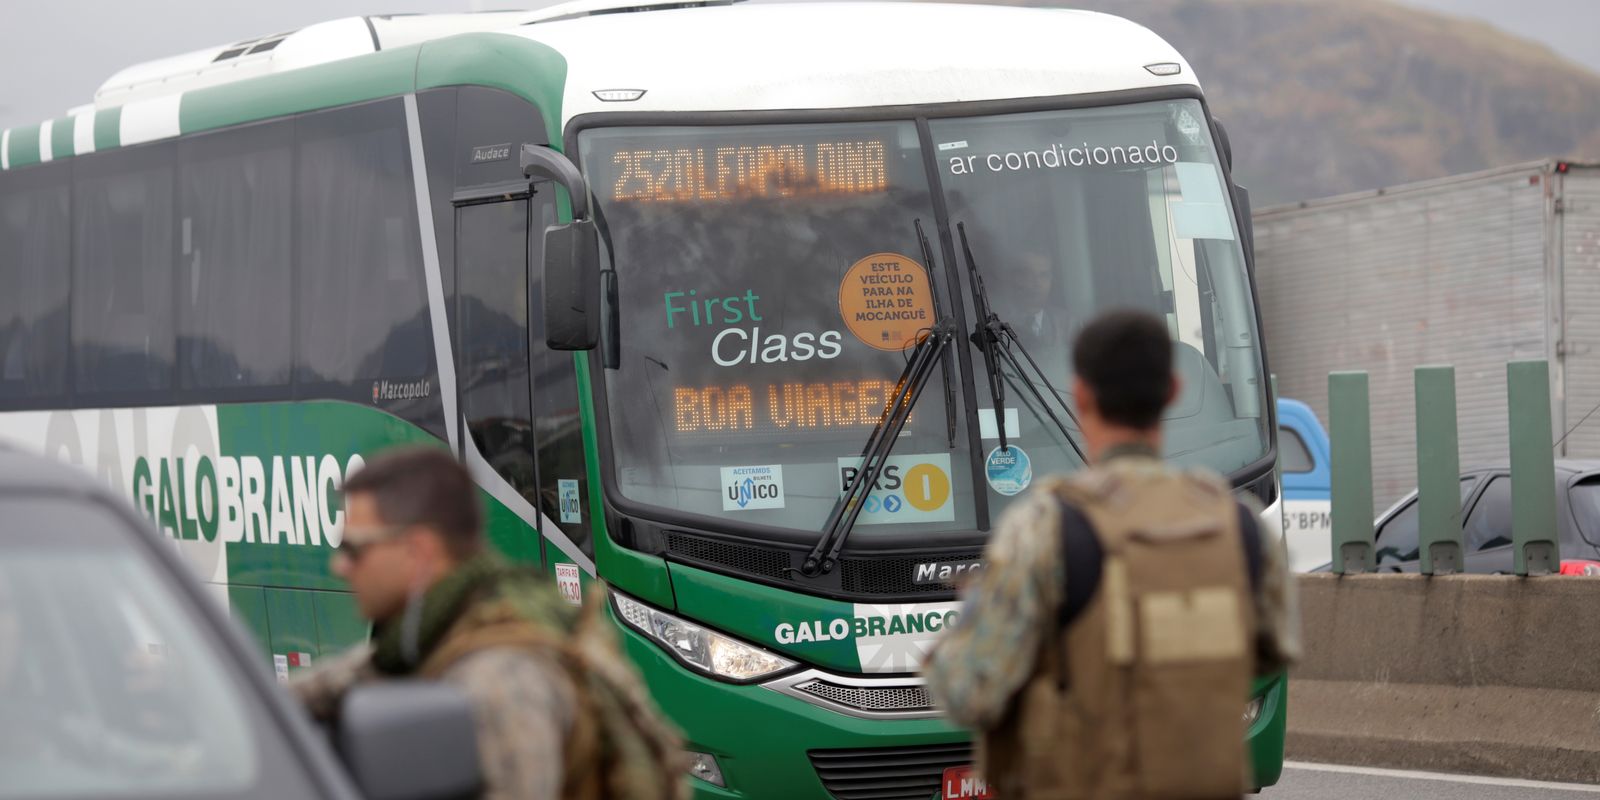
pixel 848 55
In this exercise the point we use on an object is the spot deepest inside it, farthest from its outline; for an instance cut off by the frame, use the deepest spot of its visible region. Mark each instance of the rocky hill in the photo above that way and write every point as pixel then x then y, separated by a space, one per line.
pixel 1327 97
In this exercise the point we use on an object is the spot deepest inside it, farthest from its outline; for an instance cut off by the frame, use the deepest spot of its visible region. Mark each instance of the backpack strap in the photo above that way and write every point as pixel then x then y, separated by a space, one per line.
pixel 1081 560
pixel 1082 556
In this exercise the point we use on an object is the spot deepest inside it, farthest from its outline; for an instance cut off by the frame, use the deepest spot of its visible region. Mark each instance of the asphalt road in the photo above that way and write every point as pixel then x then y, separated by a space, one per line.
pixel 1327 782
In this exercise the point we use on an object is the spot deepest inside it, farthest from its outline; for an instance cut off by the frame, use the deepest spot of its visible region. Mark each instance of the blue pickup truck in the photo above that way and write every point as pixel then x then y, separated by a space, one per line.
pixel 1303 458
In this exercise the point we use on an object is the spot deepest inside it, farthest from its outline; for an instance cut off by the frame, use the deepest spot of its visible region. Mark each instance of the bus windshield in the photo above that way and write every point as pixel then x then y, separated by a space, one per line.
pixel 742 392
pixel 1070 213
pixel 770 285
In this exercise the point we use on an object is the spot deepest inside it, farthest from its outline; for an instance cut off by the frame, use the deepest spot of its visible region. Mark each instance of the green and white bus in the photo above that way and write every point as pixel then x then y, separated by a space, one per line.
pixel 690 287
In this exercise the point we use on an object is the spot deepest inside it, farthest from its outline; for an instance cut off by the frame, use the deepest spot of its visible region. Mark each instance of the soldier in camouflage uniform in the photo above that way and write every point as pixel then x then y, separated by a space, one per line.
pixel 559 712
pixel 1052 674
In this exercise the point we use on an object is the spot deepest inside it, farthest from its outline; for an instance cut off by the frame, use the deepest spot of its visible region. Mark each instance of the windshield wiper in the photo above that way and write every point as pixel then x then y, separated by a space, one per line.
pixel 995 337
pixel 949 352
pixel 932 348
pixel 988 332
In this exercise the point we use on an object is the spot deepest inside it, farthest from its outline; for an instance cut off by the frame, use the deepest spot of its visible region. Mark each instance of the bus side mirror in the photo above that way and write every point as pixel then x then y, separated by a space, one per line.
pixel 1247 225
pixel 572 286
pixel 571 268
pixel 1224 145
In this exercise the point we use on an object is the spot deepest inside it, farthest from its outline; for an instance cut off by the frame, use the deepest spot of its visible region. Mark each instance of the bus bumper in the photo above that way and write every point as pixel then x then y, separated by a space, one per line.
pixel 768 744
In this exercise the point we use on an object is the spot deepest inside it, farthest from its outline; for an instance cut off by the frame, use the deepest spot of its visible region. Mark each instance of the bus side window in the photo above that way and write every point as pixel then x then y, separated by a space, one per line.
pixel 235 203
pixel 363 312
pixel 35 252
pixel 122 333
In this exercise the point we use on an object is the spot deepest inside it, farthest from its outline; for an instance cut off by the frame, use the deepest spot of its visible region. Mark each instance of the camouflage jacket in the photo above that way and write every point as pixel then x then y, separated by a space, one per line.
pixel 974 671
pixel 523 702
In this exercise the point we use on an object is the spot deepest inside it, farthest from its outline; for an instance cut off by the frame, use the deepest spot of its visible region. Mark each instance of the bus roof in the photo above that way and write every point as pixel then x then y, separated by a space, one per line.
pixel 763 57
pixel 746 57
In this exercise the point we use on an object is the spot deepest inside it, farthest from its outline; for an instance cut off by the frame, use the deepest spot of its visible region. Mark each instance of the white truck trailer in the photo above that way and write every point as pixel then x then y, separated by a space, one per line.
pixel 1472 271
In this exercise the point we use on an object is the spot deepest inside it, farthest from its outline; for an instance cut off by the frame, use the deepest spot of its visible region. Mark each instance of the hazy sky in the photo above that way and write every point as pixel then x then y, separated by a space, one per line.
pixel 54 53
pixel 1569 27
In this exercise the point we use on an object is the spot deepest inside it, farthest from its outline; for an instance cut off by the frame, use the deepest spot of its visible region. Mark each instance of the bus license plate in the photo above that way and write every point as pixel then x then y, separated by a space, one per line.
pixel 959 784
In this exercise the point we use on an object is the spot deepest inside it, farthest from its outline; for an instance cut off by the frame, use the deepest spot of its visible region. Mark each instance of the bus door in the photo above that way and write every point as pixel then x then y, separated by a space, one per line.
pixel 493 378
pixel 518 398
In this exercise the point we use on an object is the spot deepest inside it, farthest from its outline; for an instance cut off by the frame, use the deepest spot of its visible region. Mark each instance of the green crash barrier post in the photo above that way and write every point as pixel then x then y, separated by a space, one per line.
pixel 1533 469
pixel 1438 471
pixel 1349 419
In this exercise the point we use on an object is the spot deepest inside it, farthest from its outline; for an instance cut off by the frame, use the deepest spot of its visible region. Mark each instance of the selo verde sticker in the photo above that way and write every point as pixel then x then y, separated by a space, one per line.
pixel 1008 470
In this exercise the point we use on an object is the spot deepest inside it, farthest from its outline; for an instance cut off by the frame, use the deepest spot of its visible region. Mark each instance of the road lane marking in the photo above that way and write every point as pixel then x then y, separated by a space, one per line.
pixel 1481 780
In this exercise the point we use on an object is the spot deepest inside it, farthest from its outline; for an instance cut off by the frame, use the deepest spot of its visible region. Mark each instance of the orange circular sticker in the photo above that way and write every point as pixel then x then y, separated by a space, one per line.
pixel 885 301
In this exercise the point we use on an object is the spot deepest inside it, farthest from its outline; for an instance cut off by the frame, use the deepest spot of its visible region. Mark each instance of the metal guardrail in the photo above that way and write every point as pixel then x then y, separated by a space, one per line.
pixel 1533 526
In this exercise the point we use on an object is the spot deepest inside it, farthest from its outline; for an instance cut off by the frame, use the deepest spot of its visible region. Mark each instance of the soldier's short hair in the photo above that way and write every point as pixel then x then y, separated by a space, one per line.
pixel 424 486
pixel 1125 357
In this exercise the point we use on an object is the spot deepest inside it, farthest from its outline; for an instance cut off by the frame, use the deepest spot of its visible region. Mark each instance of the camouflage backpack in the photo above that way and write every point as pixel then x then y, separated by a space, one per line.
pixel 620 747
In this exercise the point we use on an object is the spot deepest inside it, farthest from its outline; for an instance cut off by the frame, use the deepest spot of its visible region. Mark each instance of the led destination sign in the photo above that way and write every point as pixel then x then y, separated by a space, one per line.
pixel 778 407
pixel 749 171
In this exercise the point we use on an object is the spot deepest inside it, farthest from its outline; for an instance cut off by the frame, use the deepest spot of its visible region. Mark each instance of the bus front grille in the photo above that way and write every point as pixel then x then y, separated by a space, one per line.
pixel 871 698
pixel 888 773
pixel 753 560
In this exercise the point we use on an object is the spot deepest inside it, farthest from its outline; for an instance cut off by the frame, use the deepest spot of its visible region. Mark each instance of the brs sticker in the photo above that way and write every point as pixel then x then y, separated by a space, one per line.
pixel 910 488
pixel 747 488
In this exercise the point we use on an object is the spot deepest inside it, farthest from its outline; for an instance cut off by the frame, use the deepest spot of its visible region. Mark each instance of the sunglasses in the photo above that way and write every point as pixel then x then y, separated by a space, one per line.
pixel 353 547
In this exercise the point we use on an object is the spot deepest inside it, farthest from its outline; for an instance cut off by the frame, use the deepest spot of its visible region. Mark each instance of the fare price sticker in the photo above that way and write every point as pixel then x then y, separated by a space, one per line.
pixel 570 584
pixel 886 301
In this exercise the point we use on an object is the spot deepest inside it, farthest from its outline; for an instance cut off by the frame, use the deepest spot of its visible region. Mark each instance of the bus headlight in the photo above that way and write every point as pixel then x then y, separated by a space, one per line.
pixel 1252 711
pixel 701 648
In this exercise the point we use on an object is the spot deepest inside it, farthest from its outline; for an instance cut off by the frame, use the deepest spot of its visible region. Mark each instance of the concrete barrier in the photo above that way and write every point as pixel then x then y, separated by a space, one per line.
pixel 1486 674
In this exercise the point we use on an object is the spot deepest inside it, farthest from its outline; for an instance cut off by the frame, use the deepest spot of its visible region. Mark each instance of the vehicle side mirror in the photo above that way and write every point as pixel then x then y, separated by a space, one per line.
pixel 1224 145
pixel 410 740
pixel 571 264
pixel 572 286
pixel 1247 224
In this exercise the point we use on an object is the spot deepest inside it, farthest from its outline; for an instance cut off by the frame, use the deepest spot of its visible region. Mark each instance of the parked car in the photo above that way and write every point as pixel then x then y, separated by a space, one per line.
pixel 1303 464
pixel 1486 521
pixel 120 677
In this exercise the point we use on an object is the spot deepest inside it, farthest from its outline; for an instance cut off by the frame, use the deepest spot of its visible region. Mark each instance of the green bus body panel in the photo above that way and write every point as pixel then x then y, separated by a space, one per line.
pixel 531 70
pixel 285 593
pixel 351 80
pixel 1265 738
pixel 340 430
pixel 61 144
pixel 108 128
pixel 248 604
pixel 292 616
pixel 759 736
pixel 297 430
pixel 24 146
pixel 752 612
pixel 509 533
pixel 339 622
